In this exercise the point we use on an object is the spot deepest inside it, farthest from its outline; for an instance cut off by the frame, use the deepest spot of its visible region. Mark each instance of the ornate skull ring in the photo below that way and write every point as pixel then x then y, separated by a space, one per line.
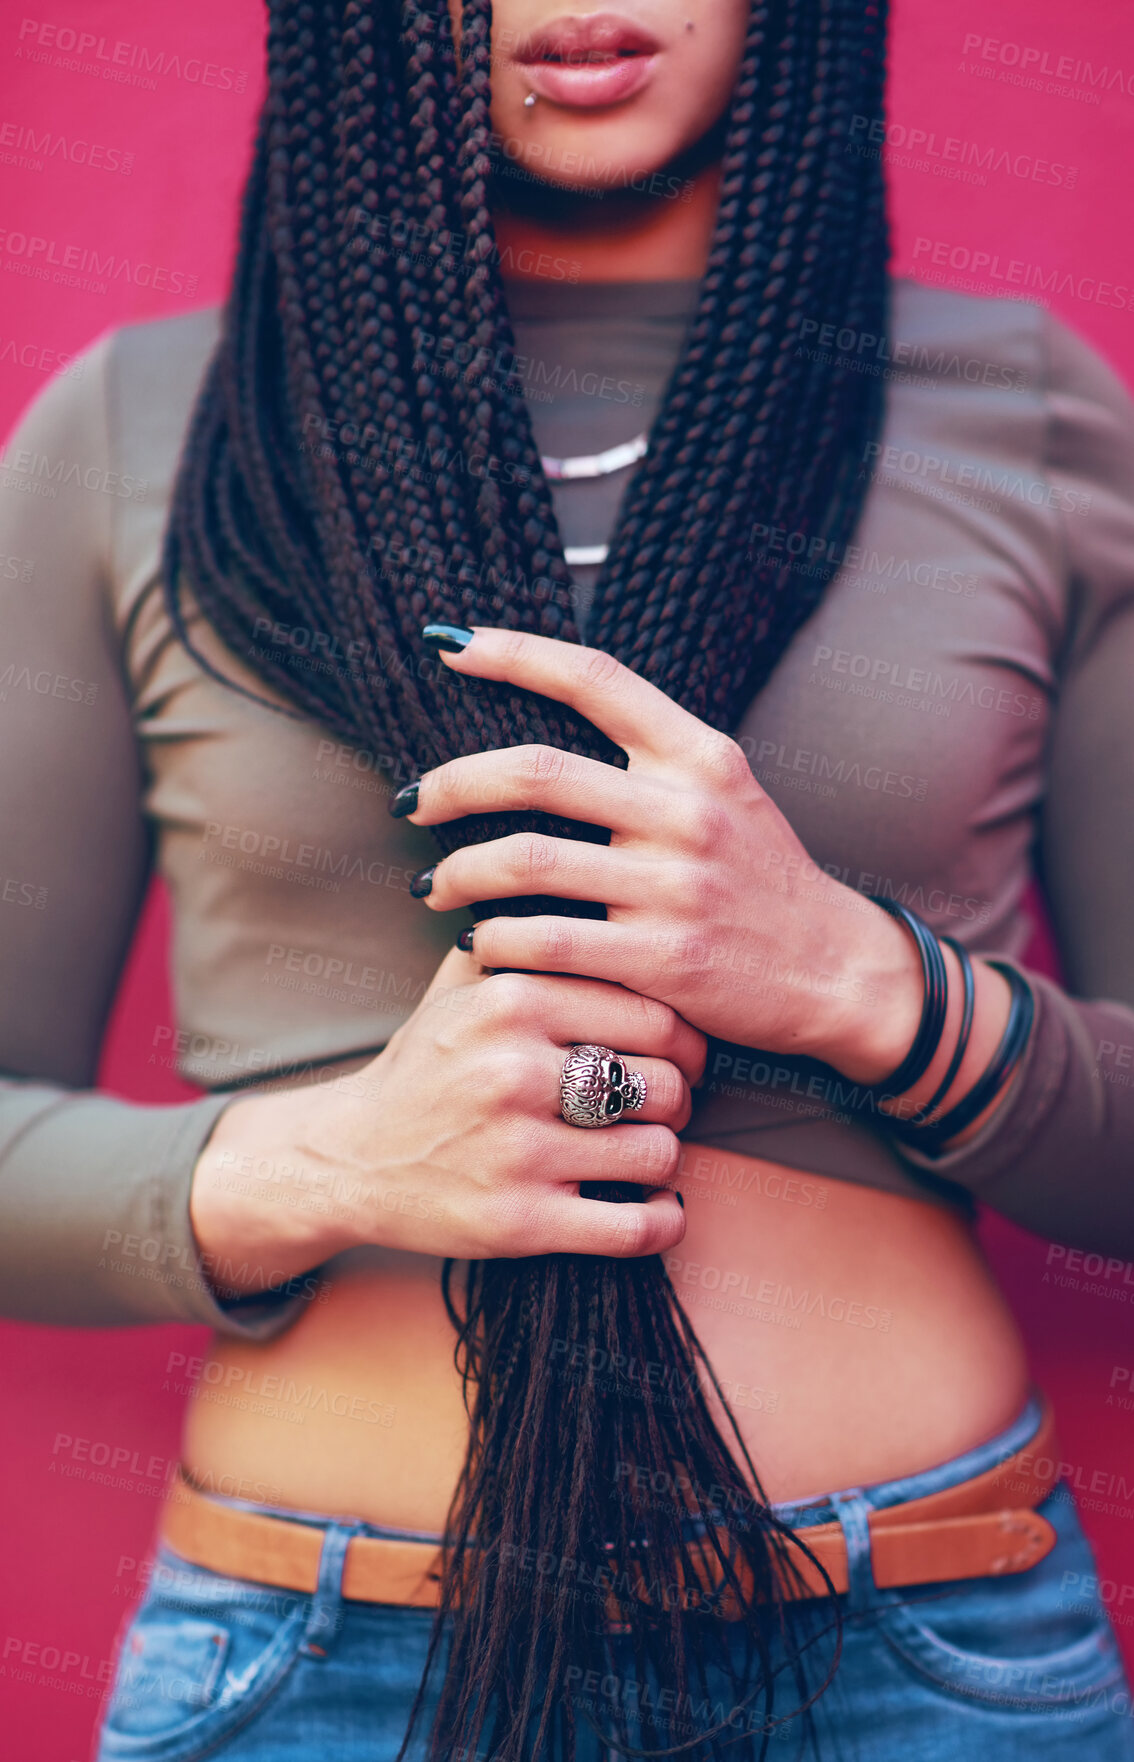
pixel 596 1088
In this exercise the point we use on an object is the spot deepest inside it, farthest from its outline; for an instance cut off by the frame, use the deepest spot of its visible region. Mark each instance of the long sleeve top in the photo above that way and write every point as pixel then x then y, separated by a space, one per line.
pixel 956 717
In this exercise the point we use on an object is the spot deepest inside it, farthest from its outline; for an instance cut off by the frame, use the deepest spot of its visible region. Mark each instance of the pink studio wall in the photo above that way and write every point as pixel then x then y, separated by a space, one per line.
pixel 154 107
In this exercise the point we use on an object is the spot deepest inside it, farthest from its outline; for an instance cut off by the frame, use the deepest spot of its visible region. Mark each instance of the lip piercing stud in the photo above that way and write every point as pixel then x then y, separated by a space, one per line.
pixel 529 100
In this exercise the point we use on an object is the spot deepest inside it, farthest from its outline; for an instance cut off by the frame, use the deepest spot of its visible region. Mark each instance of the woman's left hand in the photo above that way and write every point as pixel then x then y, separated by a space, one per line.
pixel 713 905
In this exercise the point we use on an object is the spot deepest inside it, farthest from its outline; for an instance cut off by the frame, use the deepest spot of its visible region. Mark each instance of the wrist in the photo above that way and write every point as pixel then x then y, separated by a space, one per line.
pixel 868 1034
pixel 262 1205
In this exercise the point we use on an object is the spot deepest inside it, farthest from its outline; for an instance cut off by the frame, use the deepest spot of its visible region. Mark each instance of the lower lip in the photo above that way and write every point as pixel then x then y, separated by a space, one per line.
pixel 589 86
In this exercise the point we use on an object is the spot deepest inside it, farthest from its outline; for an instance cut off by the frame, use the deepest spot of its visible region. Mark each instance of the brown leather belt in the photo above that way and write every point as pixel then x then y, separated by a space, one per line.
pixel 984 1527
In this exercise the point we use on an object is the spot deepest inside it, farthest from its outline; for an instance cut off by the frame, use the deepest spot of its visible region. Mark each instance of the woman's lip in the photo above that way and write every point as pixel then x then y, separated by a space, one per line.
pixel 589 85
pixel 573 38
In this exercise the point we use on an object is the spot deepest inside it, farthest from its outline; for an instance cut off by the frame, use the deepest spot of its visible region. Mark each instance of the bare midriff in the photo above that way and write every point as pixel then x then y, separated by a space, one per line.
pixel 858 1335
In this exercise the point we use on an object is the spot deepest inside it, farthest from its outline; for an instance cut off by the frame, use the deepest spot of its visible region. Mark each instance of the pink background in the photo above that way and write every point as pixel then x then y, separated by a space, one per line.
pixel 71 1550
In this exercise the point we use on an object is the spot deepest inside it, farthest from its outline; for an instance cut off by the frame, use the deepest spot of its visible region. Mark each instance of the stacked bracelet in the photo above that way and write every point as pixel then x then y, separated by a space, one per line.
pixel 921 1131
pixel 915 1126
pixel 933 1010
pixel 932 1139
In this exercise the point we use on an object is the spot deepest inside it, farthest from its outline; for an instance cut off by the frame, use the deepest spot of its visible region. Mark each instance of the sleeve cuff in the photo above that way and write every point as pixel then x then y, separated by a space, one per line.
pixel 95 1200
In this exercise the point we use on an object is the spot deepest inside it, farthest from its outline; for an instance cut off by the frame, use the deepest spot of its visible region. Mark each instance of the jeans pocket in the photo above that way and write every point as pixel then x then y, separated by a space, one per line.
pixel 202 1655
pixel 1018 1642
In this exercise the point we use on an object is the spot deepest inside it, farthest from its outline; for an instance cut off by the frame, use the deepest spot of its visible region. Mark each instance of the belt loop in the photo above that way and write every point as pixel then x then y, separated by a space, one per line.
pixel 326 1615
pixel 853 1514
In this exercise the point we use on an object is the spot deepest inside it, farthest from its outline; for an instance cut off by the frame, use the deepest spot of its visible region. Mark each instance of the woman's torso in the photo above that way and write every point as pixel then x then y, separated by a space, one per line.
pixel 856 1335
pixel 903 735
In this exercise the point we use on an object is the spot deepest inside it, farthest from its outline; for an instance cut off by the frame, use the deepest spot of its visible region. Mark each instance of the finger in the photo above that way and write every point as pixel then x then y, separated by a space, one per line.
pixel 643 1155
pixel 669 1100
pixel 571 1010
pixel 591 948
pixel 545 777
pixel 633 713
pixel 530 862
pixel 564 1224
pixel 456 972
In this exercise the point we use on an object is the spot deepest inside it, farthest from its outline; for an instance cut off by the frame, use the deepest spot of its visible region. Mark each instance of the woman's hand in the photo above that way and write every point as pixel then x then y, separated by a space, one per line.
pixel 451 1142
pixel 713 905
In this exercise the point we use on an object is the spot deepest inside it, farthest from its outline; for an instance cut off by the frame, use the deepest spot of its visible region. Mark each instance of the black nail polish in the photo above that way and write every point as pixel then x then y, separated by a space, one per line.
pixel 450 639
pixel 422 883
pixel 680 1198
pixel 405 802
pixel 464 941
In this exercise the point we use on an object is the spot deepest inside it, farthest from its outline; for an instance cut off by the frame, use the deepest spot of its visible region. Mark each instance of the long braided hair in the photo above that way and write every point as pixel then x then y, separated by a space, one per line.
pixel 336 478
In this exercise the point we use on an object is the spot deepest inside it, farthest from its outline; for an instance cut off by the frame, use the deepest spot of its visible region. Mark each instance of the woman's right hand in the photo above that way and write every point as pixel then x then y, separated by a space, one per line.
pixel 451 1142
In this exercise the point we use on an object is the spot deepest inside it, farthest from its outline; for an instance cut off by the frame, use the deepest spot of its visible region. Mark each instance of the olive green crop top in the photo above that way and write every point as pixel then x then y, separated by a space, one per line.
pixel 957 716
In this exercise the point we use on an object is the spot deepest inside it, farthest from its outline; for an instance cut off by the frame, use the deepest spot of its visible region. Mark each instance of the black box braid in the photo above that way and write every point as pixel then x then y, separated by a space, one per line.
pixel 428 502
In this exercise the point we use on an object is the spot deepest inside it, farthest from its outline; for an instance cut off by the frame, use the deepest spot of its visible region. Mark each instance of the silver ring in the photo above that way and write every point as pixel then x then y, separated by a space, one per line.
pixel 597 1088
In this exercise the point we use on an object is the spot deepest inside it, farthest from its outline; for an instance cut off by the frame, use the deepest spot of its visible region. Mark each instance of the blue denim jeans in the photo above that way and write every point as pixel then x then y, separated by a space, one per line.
pixel 975 1670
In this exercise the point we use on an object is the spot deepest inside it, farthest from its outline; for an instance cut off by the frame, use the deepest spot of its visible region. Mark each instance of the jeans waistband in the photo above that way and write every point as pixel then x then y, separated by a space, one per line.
pixel 881 1494
pixel 799 1514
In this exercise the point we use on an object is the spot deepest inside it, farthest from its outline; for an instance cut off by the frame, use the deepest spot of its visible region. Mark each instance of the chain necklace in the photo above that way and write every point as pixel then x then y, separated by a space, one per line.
pixel 583 465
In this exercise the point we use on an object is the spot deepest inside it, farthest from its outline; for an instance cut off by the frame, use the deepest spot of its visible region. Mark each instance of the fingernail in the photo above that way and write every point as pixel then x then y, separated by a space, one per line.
pixel 450 639
pixel 464 941
pixel 422 882
pixel 405 802
pixel 680 1199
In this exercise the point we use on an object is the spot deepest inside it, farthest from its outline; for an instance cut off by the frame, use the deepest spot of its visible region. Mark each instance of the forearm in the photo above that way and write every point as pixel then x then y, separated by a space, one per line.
pixel 94 1197
pixel 1055 1148
pixel 1058 1154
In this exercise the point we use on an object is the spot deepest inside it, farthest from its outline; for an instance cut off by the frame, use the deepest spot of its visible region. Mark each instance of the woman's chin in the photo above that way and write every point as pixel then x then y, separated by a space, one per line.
pixel 588 153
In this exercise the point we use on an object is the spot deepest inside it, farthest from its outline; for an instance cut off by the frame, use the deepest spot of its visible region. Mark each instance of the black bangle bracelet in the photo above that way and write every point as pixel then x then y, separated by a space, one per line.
pixel 932 1024
pixel 916 1123
pixel 1017 1029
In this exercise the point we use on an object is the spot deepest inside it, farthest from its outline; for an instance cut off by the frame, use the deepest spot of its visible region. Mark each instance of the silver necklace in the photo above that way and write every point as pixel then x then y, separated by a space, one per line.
pixel 582 465
pixel 597 464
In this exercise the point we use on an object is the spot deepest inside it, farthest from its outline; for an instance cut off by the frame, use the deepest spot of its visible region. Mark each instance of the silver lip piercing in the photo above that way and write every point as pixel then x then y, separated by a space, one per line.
pixel 529 100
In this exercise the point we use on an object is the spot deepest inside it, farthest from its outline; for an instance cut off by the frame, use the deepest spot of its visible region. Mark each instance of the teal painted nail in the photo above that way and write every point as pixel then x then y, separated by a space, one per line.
pixel 405 802
pixel 450 639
